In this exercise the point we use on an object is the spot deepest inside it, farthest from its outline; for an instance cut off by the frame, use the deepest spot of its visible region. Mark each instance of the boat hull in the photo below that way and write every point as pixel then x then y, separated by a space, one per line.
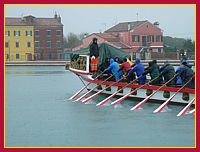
pixel 141 93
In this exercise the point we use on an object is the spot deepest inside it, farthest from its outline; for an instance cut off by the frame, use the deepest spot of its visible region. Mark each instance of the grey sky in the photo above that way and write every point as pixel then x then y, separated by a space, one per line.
pixel 175 20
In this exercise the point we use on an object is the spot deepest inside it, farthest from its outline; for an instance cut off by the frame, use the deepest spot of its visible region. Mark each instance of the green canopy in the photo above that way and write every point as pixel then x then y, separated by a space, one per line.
pixel 105 51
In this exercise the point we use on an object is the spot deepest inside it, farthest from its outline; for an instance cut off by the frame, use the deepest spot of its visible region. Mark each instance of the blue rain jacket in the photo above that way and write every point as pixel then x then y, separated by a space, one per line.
pixel 113 67
pixel 139 69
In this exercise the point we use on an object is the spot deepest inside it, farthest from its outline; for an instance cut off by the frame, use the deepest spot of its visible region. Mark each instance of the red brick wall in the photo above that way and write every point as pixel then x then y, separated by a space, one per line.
pixel 43 38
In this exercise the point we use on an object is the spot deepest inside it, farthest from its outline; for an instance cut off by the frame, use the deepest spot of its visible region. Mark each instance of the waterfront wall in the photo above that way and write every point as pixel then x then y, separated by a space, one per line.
pixel 63 63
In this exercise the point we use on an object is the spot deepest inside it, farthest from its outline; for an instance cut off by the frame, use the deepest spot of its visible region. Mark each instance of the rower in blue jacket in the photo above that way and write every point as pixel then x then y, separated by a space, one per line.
pixel 139 69
pixel 114 67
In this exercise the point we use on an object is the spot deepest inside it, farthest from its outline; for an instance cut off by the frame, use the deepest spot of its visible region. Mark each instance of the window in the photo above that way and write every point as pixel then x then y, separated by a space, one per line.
pixel 48 44
pixel 49 56
pixel 28 33
pixel 28 44
pixel 16 33
pixel 37 44
pixel 7 44
pixel 48 32
pixel 36 32
pixel 135 38
pixel 58 33
pixel 7 56
pixel 150 38
pixel 7 33
pixel 58 44
pixel 17 55
pixel 17 44
pixel 159 38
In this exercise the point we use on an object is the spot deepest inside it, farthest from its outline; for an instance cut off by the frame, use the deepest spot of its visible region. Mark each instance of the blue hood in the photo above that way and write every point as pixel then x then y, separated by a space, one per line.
pixel 111 60
pixel 137 61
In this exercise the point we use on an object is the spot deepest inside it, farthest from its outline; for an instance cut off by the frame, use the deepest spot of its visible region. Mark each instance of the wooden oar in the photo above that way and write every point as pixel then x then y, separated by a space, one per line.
pixel 111 96
pixel 147 98
pixel 127 95
pixel 183 112
pixel 161 107
pixel 96 94
pixel 76 94
pixel 79 99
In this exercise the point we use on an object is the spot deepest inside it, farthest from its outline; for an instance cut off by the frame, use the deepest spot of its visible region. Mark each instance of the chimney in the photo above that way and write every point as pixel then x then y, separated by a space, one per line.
pixel 129 26
pixel 156 24
pixel 55 16
pixel 59 18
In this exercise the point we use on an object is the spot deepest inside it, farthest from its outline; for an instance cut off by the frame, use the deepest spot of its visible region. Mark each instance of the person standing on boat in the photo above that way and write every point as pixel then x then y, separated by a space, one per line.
pixel 168 72
pixel 139 69
pixel 153 71
pixel 94 54
pixel 114 67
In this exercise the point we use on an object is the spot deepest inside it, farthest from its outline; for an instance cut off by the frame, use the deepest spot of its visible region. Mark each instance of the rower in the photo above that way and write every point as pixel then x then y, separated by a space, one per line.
pixel 139 69
pixel 168 72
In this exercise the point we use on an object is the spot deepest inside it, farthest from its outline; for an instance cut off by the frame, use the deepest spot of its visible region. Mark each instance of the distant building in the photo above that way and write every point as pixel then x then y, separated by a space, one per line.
pixel 139 38
pixel 31 38
pixel 103 38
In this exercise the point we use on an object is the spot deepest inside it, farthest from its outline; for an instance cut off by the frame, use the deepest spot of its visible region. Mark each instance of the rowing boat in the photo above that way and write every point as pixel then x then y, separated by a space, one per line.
pixel 99 86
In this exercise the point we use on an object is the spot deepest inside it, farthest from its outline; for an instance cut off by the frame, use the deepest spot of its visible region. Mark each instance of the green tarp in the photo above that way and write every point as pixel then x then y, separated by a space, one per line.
pixel 105 51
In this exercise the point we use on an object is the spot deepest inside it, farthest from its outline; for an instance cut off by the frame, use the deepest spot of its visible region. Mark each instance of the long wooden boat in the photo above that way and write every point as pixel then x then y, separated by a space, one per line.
pixel 80 67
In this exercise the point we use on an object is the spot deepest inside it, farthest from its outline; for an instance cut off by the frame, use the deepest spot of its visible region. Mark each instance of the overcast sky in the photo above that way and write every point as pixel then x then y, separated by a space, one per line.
pixel 175 20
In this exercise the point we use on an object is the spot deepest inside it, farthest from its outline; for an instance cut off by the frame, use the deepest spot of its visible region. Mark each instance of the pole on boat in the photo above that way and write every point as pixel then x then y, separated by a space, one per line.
pixel 147 98
pixel 183 112
pixel 127 95
pixel 94 88
pixel 111 96
pixel 96 94
pixel 76 94
pixel 161 107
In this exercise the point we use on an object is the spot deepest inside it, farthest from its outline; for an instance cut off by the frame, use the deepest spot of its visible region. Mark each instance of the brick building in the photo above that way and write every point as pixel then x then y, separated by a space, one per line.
pixel 47 34
pixel 139 38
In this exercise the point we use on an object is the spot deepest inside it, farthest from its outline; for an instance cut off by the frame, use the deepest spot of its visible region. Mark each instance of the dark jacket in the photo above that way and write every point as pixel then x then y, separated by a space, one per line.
pixel 186 74
pixel 168 72
pixel 153 71
pixel 94 50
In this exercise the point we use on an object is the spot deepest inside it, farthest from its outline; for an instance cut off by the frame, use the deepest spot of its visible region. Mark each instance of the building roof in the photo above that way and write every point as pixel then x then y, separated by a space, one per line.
pixel 126 26
pixel 10 21
pixel 114 40
pixel 107 36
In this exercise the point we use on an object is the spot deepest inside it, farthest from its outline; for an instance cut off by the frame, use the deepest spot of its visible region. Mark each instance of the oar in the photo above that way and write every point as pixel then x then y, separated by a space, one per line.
pixel 76 94
pixel 127 95
pixel 161 107
pixel 147 98
pixel 96 94
pixel 183 112
pixel 94 88
pixel 192 111
pixel 111 96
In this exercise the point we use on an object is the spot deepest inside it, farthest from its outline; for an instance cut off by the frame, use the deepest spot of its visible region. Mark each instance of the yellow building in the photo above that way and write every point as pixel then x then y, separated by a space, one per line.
pixel 19 41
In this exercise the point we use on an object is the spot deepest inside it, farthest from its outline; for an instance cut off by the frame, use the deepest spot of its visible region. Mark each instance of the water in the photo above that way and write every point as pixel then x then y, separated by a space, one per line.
pixel 38 113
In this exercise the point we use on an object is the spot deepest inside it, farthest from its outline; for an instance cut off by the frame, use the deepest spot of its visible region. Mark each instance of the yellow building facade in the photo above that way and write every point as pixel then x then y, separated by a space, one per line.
pixel 19 43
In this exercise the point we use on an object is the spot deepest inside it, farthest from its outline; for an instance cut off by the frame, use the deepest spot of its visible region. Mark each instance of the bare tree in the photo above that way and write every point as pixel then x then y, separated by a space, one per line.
pixel 72 40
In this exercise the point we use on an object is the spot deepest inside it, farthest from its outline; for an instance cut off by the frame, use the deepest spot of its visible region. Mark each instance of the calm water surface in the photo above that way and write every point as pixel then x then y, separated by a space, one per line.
pixel 38 113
